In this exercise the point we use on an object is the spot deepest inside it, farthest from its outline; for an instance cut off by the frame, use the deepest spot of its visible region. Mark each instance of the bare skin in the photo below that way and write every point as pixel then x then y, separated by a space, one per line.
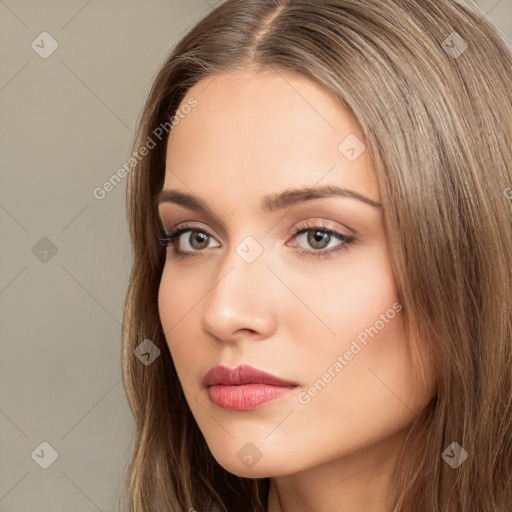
pixel 294 315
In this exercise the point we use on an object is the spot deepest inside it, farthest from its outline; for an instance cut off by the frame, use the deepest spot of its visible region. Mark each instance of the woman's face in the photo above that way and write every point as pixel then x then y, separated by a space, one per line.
pixel 317 309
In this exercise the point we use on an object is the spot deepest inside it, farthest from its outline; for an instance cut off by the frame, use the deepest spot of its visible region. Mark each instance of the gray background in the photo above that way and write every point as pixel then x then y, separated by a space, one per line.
pixel 67 123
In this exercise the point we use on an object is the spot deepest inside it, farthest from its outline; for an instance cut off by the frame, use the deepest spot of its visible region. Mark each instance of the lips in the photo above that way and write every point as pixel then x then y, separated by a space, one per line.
pixel 243 374
pixel 244 387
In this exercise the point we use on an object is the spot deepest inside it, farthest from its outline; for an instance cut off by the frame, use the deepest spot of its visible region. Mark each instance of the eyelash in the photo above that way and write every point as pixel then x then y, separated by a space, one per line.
pixel 171 239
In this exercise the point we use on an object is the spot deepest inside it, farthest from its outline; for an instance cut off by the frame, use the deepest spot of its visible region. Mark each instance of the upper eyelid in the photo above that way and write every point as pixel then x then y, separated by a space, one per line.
pixel 183 227
pixel 314 207
pixel 160 215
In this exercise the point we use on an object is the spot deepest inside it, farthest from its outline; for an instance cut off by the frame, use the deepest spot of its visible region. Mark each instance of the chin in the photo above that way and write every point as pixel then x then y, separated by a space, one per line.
pixel 261 469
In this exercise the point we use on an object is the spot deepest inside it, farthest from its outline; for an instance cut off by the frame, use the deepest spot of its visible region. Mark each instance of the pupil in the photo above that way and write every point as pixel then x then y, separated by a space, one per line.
pixel 317 238
pixel 199 238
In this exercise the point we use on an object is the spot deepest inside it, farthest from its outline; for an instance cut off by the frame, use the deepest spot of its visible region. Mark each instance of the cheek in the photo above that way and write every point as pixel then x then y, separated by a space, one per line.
pixel 176 301
pixel 362 377
pixel 366 351
pixel 367 384
pixel 178 294
pixel 347 300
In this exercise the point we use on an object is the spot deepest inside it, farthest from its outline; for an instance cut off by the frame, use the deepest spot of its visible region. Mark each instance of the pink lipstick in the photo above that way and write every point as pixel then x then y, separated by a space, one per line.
pixel 244 387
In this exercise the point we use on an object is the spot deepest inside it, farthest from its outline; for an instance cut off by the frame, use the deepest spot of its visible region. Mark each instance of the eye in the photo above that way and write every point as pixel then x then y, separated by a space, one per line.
pixel 319 236
pixel 195 242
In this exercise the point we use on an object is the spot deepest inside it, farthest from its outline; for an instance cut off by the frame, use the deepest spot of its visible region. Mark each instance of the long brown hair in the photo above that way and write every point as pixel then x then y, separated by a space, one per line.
pixel 429 85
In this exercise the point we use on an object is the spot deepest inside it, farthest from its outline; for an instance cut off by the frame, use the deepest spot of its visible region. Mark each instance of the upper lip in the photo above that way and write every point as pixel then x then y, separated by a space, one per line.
pixel 243 374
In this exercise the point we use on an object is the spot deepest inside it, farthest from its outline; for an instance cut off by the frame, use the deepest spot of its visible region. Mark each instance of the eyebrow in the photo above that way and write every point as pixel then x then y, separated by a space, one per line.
pixel 269 203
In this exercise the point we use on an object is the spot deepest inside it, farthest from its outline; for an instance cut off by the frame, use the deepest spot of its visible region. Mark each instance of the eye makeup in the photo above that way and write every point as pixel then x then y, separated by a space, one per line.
pixel 317 232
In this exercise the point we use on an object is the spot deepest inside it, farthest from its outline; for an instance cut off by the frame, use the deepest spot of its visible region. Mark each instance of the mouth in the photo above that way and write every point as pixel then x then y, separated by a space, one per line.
pixel 244 388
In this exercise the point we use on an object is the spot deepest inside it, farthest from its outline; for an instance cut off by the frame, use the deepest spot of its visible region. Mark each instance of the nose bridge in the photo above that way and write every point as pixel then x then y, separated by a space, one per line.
pixel 239 298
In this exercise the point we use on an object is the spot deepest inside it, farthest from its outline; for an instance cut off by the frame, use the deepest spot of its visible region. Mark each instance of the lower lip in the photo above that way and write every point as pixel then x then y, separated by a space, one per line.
pixel 246 396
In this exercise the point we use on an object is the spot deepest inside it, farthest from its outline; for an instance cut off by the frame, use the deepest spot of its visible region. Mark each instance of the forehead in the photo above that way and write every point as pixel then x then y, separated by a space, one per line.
pixel 255 130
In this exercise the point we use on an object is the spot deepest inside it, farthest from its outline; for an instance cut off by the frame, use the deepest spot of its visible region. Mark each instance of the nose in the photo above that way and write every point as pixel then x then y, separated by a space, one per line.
pixel 242 302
